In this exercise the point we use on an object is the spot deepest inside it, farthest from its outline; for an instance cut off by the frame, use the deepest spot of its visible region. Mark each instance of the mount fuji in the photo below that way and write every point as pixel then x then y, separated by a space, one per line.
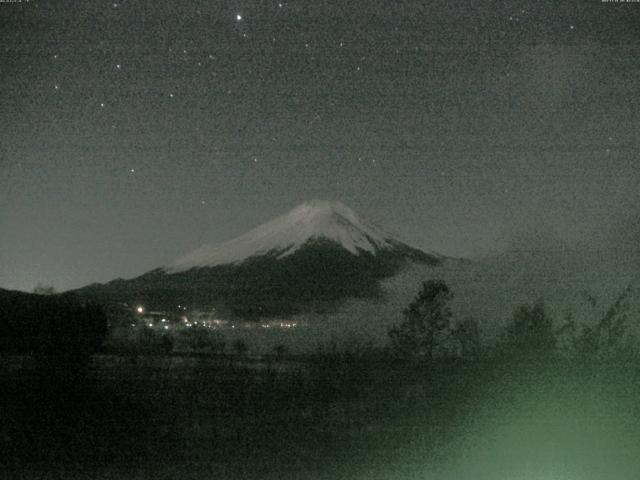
pixel 310 258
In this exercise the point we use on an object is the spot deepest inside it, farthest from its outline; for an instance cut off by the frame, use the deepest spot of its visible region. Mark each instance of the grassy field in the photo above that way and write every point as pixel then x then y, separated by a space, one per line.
pixel 205 416
pixel 342 416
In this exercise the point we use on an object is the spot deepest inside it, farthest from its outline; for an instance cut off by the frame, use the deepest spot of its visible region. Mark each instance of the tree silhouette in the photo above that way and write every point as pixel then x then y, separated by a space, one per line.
pixel 427 321
pixel 41 289
pixel 531 329
pixel 60 331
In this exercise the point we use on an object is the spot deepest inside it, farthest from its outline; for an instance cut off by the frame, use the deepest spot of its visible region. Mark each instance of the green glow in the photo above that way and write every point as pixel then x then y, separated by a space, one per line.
pixel 549 431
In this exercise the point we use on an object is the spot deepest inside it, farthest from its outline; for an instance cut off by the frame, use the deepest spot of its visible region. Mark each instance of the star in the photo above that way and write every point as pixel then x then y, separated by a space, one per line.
pixel 118 66
pixel 132 170
pixel 238 17
pixel 171 95
pixel 102 105
pixel 57 87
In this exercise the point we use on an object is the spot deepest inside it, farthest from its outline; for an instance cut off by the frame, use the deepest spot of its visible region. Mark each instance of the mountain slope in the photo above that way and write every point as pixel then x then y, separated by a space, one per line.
pixel 308 259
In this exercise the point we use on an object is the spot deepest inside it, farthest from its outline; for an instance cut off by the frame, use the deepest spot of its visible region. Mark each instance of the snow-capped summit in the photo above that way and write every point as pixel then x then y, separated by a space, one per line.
pixel 284 235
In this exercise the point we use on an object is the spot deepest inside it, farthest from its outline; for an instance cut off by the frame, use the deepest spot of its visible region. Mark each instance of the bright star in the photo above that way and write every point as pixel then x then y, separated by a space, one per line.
pixel 238 17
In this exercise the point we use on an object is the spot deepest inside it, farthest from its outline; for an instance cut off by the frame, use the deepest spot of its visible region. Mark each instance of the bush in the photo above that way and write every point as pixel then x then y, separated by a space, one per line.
pixel 240 347
pixel 467 334
pixel 531 329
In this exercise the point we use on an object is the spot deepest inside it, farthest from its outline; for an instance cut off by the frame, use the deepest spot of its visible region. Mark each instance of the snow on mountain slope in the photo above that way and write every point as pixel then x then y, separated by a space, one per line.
pixel 286 234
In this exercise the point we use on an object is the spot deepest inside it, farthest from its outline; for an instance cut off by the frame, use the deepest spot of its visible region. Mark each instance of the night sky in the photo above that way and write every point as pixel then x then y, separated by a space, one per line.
pixel 133 132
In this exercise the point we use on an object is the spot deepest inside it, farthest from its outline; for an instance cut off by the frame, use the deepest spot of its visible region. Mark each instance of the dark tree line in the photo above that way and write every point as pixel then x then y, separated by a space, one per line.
pixel 428 331
pixel 58 330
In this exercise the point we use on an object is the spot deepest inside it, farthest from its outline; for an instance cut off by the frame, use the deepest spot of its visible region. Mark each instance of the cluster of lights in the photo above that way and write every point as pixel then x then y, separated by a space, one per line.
pixel 280 325
pixel 214 323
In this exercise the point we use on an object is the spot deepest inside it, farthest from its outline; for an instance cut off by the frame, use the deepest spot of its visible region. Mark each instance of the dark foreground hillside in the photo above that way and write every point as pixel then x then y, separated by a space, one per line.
pixel 543 402
pixel 54 328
